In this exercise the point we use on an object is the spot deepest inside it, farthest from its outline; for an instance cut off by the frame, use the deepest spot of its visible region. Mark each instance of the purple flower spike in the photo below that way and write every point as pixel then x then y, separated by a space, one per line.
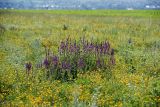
pixel 91 47
pixel 80 63
pixel 67 41
pixel 71 48
pixel 68 65
pixel 65 65
pixel 75 47
pixel 101 48
pixel 85 48
pixel 46 63
pixel 78 48
pixel 66 47
pixel 98 62
pixel 62 46
pixel 28 66
pixel 59 50
pixel 105 47
pixel 55 60
pixel 97 48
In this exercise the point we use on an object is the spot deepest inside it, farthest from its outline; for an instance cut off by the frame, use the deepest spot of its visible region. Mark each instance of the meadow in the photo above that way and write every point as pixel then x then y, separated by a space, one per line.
pixel 32 41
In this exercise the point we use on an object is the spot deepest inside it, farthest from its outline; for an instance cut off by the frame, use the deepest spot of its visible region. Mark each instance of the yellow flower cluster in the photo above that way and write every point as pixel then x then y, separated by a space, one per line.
pixel 35 100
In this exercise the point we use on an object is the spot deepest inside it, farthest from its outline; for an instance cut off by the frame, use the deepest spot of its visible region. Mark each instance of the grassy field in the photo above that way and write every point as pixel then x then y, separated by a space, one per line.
pixel 134 79
pixel 132 13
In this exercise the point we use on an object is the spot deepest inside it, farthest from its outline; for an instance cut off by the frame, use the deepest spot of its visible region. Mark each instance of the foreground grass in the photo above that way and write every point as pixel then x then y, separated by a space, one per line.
pixel 133 81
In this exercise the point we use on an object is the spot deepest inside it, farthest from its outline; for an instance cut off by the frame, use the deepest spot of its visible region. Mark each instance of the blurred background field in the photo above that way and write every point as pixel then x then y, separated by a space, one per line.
pixel 102 12
pixel 133 81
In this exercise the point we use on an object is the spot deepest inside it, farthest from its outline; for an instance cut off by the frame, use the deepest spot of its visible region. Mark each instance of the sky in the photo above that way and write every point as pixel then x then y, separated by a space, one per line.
pixel 80 4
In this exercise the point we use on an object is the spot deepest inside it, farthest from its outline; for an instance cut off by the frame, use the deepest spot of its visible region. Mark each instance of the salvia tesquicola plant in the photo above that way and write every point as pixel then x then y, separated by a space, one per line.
pixel 75 57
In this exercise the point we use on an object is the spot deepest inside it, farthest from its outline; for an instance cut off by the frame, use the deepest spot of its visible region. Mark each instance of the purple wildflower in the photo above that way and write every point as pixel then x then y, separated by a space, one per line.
pixel 67 44
pixel 65 65
pixel 78 48
pixel 84 47
pixel 91 47
pixel 71 48
pixel 80 63
pixel 55 60
pixel 62 46
pixel 105 47
pixel 101 48
pixel 59 51
pixel 98 62
pixel 97 49
pixel 46 63
pixel 75 47
pixel 28 67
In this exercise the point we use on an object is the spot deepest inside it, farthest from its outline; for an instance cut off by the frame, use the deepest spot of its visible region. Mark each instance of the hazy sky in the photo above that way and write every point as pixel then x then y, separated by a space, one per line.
pixel 75 0
pixel 138 4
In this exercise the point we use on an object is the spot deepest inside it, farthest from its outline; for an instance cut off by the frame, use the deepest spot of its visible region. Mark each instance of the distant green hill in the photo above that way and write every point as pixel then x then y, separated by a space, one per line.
pixel 127 13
